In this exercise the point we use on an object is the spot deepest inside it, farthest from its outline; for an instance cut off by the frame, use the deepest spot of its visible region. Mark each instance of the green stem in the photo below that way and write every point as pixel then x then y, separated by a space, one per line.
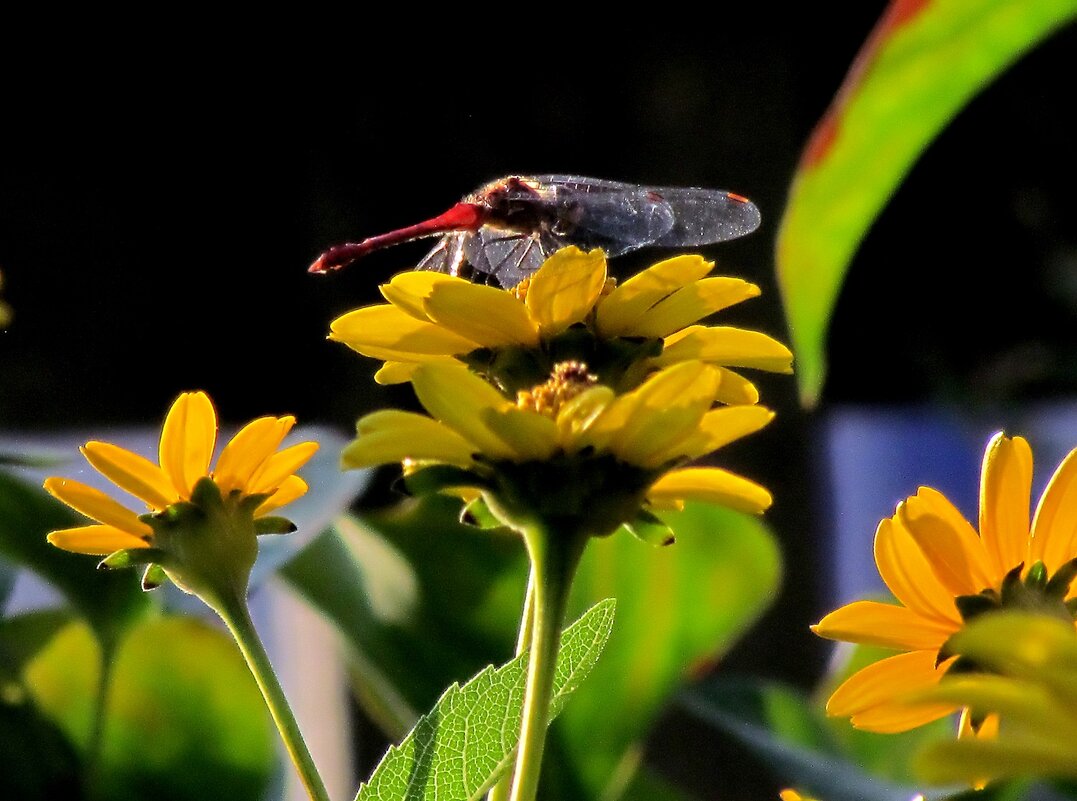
pixel 234 613
pixel 554 558
pixel 95 744
pixel 500 791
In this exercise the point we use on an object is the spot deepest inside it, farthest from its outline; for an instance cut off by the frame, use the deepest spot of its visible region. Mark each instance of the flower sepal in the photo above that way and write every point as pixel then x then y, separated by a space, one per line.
pixel 273 524
pixel 132 557
pixel 209 543
pixel 651 529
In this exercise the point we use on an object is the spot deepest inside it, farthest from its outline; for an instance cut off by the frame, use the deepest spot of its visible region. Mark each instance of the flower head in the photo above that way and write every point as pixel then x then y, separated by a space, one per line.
pixel 568 310
pixel 570 448
pixel 198 519
pixel 944 574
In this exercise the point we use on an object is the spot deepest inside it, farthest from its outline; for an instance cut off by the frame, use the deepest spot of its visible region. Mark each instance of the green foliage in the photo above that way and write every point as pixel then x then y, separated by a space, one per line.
pixel 466 742
pixel 184 719
pixel 926 61
pixel 110 602
pixel 423 601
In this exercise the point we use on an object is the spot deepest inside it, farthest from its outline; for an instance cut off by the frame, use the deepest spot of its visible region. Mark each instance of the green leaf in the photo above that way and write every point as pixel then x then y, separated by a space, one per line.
pixel 422 601
pixel 184 718
pixel 925 61
pixel 679 609
pixel 779 726
pixel 109 601
pixel 466 742
pixel 22 636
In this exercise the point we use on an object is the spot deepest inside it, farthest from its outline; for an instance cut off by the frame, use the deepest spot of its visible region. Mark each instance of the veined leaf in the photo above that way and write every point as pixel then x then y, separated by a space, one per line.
pixel 924 61
pixel 466 742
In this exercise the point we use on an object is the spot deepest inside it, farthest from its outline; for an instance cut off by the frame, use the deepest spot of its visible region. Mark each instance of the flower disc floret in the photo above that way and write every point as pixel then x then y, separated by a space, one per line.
pixel 569 310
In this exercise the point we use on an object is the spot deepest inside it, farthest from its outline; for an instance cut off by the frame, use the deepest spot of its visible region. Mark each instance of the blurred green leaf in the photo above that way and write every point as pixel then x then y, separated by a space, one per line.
pixel 679 609
pixel 466 742
pixel 37 762
pixel 109 601
pixel 779 725
pixel 184 718
pixel 925 60
pixel 22 636
pixel 423 601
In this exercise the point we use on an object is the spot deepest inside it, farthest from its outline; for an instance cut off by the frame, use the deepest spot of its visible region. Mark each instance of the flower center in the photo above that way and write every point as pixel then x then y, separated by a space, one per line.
pixel 567 381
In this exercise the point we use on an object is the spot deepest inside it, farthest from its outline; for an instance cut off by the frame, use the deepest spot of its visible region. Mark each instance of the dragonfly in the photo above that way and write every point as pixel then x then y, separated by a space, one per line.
pixel 505 230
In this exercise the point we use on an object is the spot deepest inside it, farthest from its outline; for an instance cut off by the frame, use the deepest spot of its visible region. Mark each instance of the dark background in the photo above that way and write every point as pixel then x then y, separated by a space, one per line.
pixel 159 205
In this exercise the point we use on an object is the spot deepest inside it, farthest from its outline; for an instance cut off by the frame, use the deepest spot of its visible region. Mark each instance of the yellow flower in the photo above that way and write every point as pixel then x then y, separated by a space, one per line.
pixel 250 475
pixel 945 574
pixel 568 310
pixel 571 446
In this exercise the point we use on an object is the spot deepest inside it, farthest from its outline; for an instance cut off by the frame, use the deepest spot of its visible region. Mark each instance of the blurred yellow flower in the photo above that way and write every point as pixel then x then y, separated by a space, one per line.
pixel 5 310
pixel 568 310
pixel 944 573
pixel 1032 687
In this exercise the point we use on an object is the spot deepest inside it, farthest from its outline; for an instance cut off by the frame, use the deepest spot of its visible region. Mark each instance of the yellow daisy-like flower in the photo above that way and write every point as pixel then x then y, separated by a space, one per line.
pixel 568 310
pixel 571 448
pixel 944 573
pixel 250 475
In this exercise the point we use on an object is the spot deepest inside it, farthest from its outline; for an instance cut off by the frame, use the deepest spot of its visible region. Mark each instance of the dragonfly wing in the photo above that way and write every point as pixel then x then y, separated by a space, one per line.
pixel 447 256
pixel 508 257
pixel 705 216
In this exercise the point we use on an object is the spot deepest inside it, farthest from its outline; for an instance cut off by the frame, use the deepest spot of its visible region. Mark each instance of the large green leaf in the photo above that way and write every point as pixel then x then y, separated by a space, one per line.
pixel 678 609
pixel 423 601
pixel 466 742
pixel 925 60
pixel 184 719
pixel 109 601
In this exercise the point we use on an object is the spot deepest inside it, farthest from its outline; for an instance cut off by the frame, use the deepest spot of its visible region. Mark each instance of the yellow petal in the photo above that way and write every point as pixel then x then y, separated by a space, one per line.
pixel 281 465
pixel 619 312
pixel 1054 537
pixel 671 408
pixel 908 574
pixel 566 288
pixel 484 314
pixel 392 435
pixel 710 484
pixel 718 428
pixel 132 473
pixel 96 504
pixel 247 450
pixel 886 625
pixel 735 389
pixel 1005 496
pixel 187 440
pixel 386 332
pixel 736 347
pixel 291 488
pixel 408 291
pixel 395 372
pixel 459 399
pixel 578 414
pixel 691 304
pixel 95 540
pixel 948 541
pixel 531 436
pixel 870 696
